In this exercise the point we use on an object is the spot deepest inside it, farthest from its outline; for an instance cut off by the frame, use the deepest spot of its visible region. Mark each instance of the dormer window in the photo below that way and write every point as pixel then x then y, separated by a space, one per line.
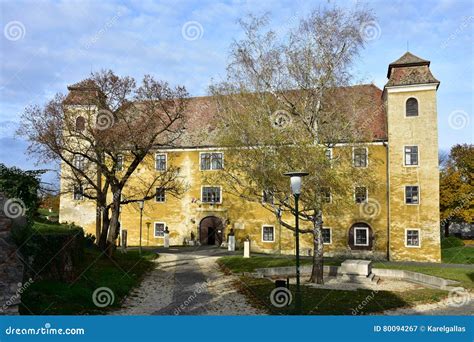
pixel 411 107
pixel 80 124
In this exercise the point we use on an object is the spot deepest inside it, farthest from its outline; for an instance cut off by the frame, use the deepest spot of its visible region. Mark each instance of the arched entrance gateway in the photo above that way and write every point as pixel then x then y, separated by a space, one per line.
pixel 211 231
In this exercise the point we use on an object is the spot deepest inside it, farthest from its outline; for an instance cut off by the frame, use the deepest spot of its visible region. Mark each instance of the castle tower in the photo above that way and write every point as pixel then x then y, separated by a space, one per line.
pixel 413 174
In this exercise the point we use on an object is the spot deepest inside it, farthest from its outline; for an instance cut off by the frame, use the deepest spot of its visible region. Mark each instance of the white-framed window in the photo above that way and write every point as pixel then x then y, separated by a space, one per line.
pixel 326 196
pixel 78 162
pixel 267 196
pixel 360 156
pixel 411 107
pixel 160 229
pixel 211 194
pixel 161 160
pixel 211 161
pixel 361 236
pixel 361 194
pixel 78 193
pixel 412 237
pixel 268 233
pixel 327 236
pixel 119 165
pixel 160 195
pixel 412 194
pixel 410 155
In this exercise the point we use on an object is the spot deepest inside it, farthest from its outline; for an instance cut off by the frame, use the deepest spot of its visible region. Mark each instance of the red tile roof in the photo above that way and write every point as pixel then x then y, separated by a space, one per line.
pixel 408 70
pixel 201 118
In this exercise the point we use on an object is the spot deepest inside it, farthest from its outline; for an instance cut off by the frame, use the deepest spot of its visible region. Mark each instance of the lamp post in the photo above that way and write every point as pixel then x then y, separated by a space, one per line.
pixel 295 182
pixel 141 204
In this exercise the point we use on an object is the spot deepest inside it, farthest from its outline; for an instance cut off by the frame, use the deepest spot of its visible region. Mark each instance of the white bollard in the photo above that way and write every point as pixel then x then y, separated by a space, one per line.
pixel 167 240
pixel 231 246
pixel 246 249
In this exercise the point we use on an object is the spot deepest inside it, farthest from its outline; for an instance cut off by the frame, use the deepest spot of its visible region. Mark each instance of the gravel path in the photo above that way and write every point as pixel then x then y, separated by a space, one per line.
pixel 187 282
pixel 444 307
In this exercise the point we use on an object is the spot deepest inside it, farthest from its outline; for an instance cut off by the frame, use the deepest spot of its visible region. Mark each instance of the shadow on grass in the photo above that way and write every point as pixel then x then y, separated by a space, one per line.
pixel 337 302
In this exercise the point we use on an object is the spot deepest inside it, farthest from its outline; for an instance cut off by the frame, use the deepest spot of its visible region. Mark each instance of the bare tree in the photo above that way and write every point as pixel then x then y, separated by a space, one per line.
pixel 102 142
pixel 286 100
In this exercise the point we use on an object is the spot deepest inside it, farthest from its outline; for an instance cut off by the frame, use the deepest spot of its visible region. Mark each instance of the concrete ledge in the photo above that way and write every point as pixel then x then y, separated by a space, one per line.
pixel 290 271
pixel 415 277
pixel 420 278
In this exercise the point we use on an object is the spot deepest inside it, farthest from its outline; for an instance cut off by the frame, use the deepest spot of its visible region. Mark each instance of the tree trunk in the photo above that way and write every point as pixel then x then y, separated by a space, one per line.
pixel 318 264
pixel 105 229
pixel 114 224
pixel 446 228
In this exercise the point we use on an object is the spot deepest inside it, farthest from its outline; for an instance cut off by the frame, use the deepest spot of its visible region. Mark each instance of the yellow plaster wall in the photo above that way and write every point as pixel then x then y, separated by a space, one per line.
pixel 421 131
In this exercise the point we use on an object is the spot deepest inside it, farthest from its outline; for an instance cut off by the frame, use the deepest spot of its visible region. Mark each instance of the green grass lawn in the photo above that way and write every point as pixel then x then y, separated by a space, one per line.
pixel 238 264
pixel 337 302
pixel 464 275
pixel 458 255
pixel 45 212
pixel 43 226
pixel 125 271
pixel 332 302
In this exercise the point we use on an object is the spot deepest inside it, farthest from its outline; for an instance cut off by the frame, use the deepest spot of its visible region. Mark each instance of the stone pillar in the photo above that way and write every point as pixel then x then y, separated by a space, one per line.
pixel 11 270
pixel 231 246
pixel 166 243
pixel 247 249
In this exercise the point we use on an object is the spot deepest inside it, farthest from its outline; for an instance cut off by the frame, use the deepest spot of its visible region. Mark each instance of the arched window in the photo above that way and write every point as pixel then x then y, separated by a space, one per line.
pixel 80 124
pixel 411 107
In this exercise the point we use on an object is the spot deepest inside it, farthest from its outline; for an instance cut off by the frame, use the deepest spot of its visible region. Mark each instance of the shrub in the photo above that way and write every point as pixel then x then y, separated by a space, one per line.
pixel 451 241
pixel 89 240
pixel 54 252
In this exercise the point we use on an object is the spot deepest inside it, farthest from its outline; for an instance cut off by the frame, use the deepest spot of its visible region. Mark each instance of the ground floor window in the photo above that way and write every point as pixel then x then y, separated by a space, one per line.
pixel 327 236
pixel 412 238
pixel 160 229
pixel 361 236
pixel 268 234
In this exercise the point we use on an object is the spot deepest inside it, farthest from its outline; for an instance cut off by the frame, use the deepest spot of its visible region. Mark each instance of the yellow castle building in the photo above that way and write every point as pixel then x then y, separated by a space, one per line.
pixel 398 221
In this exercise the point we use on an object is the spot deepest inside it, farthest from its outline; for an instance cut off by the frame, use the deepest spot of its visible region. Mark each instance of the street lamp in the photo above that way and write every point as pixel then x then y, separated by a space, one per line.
pixel 141 204
pixel 295 182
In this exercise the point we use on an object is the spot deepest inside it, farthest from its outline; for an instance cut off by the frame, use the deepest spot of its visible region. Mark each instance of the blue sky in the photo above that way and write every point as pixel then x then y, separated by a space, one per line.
pixel 46 45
